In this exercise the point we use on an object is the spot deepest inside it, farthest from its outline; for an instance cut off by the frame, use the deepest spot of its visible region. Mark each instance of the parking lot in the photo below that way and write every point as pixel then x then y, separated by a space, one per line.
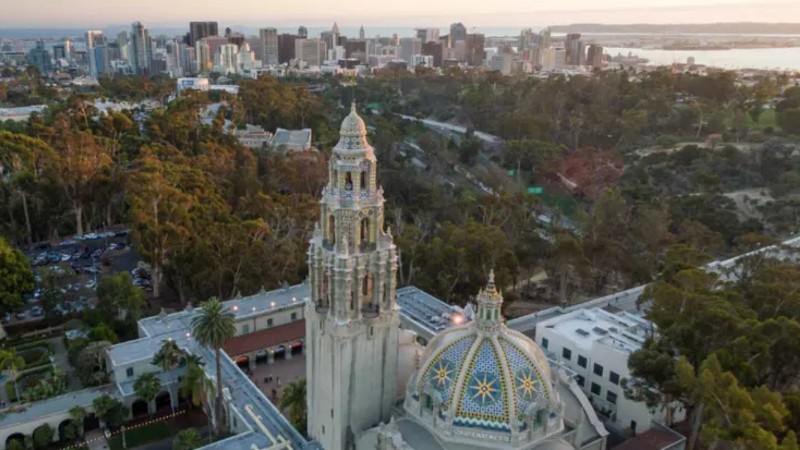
pixel 89 257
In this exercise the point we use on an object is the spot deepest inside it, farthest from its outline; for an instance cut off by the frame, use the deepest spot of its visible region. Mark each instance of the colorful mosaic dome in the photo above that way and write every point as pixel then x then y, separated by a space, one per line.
pixel 483 375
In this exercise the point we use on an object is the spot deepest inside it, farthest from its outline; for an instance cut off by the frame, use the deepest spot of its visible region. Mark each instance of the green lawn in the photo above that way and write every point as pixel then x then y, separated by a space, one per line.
pixel 768 118
pixel 142 435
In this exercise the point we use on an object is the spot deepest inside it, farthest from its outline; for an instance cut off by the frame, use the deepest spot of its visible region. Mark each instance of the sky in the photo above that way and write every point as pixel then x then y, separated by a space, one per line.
pixel 473 13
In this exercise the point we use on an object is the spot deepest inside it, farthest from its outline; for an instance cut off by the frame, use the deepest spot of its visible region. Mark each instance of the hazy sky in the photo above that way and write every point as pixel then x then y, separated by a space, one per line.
pixel 99 13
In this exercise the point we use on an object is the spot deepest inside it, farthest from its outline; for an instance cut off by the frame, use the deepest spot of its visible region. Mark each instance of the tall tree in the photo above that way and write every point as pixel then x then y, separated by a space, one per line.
pixel 188 439
pixel 16 277
pixel 169 356
pixel 212 327
pixel 294 399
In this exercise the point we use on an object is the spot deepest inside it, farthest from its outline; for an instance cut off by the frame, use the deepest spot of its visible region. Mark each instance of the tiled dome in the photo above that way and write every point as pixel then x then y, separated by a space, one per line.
pixel 483 375
pixel 352 134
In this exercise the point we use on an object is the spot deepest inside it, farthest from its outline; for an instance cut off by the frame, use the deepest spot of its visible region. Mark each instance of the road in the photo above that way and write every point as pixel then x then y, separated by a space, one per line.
pixel 485 137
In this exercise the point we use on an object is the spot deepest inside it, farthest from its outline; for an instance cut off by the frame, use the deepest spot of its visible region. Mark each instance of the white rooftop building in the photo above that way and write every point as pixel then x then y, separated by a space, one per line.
pixel 596 344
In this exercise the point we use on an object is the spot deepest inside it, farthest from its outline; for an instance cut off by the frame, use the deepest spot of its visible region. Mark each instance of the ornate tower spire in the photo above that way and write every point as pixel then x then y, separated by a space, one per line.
pixel 352 323
pixel 489 303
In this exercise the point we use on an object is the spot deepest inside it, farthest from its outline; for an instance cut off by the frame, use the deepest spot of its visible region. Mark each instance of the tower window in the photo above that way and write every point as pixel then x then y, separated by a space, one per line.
pixel 366 286
pixel 363 180
pixel 332 229
pixel 364 230
pixel 348 181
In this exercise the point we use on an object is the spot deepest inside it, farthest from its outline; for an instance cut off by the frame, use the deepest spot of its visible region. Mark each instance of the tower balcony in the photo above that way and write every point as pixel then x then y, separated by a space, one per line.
pixel 322 307
pixel 370 310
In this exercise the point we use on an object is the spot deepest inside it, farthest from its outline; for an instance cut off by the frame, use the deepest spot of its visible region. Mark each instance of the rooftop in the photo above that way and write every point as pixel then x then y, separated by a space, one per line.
pixel 425 310
pixel 623 331
pixel 293 138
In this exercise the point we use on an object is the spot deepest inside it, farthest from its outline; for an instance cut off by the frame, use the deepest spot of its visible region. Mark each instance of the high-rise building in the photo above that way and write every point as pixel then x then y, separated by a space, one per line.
pixel 544 38
pixel 311 51
pixel 458 32
pixel 124 44
pixel 352 320
pixel 428 34
pixel 527 40
pixel 575 49
pixel 226 58
pixel 141 51
pixel 410 47
pixel 361 34
pixel 475 53
pixel 286 47
pixel 302 32
pixel 434 50
pixel 269 43
pixel 39 57
pixel 594 56
pixel 188 60
pixel 356 49
pixel 335 34
pixel 63 50
pixel 97 53
pixel 200 30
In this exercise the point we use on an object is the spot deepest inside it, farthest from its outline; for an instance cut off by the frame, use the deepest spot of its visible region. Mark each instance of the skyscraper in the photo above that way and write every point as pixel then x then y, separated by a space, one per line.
pixel 595 56
pixel 40 58
pixel 286 47
pixel 475 53
pixel 361 34
pixel 335 33
pixel 310 51
pixel 140 49
pixel 199 30
pixel 544 38
pixel 574 49
pixel 269 44
pixel 410 47
pixel 97 52
pixel 428 34
pixel 458 32
pixel 302 32
pixel 527 40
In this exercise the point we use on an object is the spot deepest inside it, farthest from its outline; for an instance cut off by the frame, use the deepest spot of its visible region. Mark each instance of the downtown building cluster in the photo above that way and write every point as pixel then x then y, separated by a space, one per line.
pixel 204 50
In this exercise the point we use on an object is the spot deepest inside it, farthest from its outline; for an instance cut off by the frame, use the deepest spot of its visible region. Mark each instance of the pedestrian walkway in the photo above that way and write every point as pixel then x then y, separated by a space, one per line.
pixel 96 440
pixel 287 370
pixel 61 360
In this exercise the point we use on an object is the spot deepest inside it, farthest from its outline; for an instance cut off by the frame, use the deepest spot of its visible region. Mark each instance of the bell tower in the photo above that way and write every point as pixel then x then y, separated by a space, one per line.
pixel 352 321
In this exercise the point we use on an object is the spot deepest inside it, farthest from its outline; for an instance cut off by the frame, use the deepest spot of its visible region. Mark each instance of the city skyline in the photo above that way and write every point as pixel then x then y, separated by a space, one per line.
pixel 47 13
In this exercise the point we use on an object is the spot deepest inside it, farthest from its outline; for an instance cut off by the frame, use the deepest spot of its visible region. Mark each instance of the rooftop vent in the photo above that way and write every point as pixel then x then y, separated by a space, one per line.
pixel 582 332
pixel 600 331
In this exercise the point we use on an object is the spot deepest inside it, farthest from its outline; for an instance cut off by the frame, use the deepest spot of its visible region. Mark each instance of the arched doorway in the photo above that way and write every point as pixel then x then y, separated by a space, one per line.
pixel 297 347
pixel 163 401
pixel 243 361
pixel 67 431
pixel 90 423
pixel 139 408
pixel 16 437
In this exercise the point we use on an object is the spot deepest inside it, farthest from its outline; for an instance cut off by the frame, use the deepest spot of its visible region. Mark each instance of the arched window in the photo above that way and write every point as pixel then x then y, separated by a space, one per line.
pixel 366 287
pixel 332 229
pixel 348 181
pixel 363 180
pixel 364 234
pixel 335 179
pixel 325 287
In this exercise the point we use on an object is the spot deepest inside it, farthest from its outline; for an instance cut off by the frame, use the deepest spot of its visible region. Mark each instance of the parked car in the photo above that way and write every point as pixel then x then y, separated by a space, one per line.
pixel 22 315
pixel 37 311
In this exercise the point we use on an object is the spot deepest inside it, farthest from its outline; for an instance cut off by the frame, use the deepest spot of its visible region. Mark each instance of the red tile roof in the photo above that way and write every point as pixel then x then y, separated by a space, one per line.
pixel 652 439
pixel 262 339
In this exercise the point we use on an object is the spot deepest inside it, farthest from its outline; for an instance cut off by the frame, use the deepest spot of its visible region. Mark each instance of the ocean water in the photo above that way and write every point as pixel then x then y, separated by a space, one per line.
pixel 738 58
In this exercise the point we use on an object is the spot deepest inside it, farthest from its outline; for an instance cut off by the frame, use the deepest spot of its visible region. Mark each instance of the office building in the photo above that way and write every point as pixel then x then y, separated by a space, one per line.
pixel 286 44
pixel 428 35
pixel 200 30
pixel 544 38
pixel 206 50
pixel 356 49
pixel 141 52
pixel 124 44
pixel 547 59
pixel 335 35
pixel 502 62
pixel 596 344
pixel 39 57
pixel 594 57
pixel 458 32
pixel 268 38
pixel 188 60
pixel 226 58
pixel 410 47
pixel 434 50
pixel 474 49
pixel 310 51
pixel 97 53
pixel 422 60
pixel 575 50
pixel 361 34
pixel 527 40
pixel 302 32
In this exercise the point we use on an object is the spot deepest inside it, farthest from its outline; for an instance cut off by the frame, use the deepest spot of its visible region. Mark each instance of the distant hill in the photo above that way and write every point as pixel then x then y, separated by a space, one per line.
pixel 720 28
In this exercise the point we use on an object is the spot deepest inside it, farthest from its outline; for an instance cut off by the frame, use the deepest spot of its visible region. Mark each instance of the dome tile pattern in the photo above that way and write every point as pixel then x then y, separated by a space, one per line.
pixel 528 385
pixel 483 400
pixel 442 372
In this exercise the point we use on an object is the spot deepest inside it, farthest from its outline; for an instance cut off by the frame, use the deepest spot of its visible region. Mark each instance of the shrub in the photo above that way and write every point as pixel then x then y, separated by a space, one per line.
pixel 43 437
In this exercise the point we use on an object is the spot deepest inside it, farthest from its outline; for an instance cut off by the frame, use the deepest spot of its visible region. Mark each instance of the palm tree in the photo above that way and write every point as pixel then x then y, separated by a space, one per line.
pixel 13 363
pixel 212 327
pixel 147 386
pixel 169 356
pixel 195 385
pixel 77 414
pixel 188 439
pixel 294 399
